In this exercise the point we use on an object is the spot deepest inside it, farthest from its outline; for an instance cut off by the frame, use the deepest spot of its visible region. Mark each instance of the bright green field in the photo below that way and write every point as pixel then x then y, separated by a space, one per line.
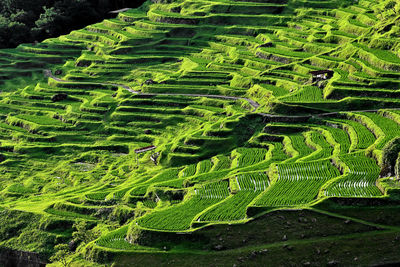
pixel 244 136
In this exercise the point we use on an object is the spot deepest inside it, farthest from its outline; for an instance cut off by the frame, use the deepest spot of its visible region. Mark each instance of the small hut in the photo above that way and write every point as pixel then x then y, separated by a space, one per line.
pixel 321 75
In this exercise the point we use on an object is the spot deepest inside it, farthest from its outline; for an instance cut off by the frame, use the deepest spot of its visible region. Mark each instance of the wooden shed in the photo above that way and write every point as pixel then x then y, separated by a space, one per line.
pixel 321 75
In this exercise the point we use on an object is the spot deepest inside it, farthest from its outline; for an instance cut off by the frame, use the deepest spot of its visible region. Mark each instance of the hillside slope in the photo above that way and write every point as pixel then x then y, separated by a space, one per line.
pixel 257 111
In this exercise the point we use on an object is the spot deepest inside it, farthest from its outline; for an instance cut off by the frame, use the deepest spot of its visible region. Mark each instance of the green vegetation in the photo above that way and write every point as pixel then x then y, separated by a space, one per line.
pixel 255 161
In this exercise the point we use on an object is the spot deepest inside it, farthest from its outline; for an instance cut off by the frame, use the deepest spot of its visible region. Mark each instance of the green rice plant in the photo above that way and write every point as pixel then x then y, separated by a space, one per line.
pixel 179 217
pixel 68 214
pixel 149 203
pixel 298 143
pixel 359 179
pixel 262 50
pixel 322 148
pixel 297 184
pixel 207 177
pixel 250 156
pixel 19 189
pixel 291 54
pixel 353 26
pixel 221 163
pixel 289 149
pixel 361 136
pixel 117 240
pixel 189 170
pixel 97 195
pixel 139 190
pixel 164 176
pixel 390 128
pixel 234 207
pixel 204 166
pixel 306 94
pixel 231 209
pixel 260 90
pixel 175 183
pixel 340 137
pixel 383 59
pixel 275 153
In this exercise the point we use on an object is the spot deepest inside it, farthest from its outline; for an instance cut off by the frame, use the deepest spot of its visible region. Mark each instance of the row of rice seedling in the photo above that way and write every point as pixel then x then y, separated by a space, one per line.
pixel 299 145
pixel 18 188
pixel 380 58
pixel 141 185
pixel 354 185
pixel 150 51
pixel 306 94
pixel 361 137
pixel 204 166
pixel 275 154
pixel 221 162
pixel 252 181
pixel 359 179
pixel 189 170
pixel 166 175
pixel 297 183
pixel 250 185
pixel 310 170
pixel 390 128
pixel 97 195
pixel 340 137
pixel 149 204
pixel 250 156
pixel 391 114
pixel 179 217
pixel 290 193
pixel 232 208
pixel 217 190
pixel 322 148
pixel 335 36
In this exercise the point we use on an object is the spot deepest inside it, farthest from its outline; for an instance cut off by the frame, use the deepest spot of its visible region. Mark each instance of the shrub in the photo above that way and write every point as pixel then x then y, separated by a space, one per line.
pixel 134 234
pixel 397 168
pixel 61 255
pixel 390 157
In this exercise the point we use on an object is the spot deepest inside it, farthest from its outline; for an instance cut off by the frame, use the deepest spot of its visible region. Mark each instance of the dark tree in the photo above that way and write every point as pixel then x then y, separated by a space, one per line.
pixel 34 20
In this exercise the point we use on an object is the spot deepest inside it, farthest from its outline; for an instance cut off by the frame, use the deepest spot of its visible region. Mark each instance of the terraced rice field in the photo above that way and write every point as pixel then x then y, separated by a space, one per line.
pixel 223 91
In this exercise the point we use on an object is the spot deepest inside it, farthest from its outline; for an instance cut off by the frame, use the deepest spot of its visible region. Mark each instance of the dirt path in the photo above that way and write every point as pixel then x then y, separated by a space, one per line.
pixel 254 104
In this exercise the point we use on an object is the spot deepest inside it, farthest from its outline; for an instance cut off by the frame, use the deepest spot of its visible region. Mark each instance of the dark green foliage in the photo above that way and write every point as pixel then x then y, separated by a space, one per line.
pixel 83 232
pixel 397 167
pixel 122 214
pixel 390 155
pixel 135 234
pixel 28 231
pixel 23 21
pixel 61 255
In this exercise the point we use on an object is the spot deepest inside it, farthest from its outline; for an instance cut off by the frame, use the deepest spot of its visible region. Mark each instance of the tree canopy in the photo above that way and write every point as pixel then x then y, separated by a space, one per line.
pixel 23 21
